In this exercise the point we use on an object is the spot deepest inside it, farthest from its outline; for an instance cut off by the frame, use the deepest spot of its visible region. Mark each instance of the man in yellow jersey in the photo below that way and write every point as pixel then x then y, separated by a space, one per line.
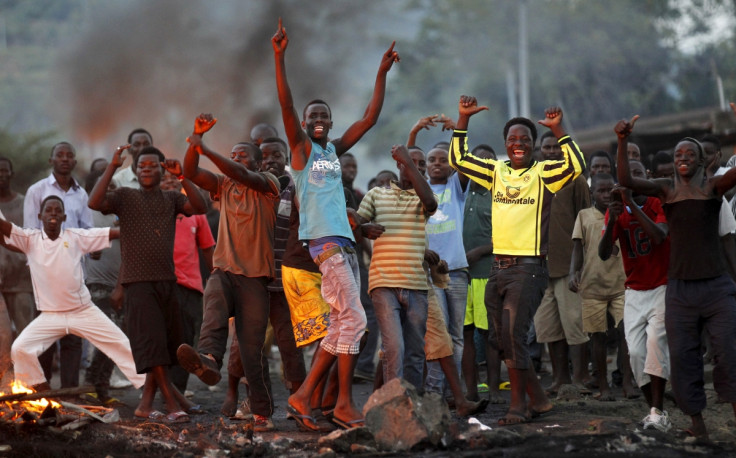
pixel 522 190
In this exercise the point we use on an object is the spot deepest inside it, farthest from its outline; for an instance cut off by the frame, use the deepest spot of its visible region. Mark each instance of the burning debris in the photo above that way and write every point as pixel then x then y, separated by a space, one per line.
pixel 26 407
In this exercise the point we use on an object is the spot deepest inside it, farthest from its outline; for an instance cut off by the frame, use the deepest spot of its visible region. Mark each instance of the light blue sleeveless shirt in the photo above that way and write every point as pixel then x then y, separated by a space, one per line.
pixel 322 210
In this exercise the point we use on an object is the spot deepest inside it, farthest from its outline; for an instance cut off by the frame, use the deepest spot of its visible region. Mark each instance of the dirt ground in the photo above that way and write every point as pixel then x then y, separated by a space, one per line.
pixel 582 427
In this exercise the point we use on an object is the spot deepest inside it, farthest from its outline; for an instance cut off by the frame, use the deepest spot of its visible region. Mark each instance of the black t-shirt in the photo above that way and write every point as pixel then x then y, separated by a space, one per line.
pixel 147 231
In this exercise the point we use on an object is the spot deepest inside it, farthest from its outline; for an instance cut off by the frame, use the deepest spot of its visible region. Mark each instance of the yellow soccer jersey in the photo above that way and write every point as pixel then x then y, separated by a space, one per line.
pixel 522 198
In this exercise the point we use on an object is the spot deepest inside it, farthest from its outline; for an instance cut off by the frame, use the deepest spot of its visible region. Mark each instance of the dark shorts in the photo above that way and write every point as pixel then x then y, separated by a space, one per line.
pixel 691 307
pixel 153 323
pixel 512 297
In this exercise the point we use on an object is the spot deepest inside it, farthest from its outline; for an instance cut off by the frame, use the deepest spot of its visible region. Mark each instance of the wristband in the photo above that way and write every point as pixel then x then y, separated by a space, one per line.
pixel 180 177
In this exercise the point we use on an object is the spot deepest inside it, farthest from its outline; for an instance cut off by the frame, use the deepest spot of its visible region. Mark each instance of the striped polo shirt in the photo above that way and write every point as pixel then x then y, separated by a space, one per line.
pixel 399 252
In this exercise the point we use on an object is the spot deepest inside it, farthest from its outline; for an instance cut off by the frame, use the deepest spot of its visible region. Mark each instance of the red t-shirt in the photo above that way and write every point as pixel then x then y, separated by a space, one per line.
pixel 191 232
pixel 645 263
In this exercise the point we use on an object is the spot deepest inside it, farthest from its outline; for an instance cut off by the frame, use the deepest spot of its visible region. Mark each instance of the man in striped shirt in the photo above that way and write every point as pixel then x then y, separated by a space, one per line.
pixel 397 282
pixel 522 191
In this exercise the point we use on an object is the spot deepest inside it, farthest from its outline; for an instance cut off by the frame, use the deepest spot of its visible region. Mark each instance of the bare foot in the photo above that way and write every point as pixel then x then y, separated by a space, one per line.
pixel 514 418
pixel 630 392
pixel 538 409
pixel 229 406
pixel 552 389
pixel 605 396
pixel 467 408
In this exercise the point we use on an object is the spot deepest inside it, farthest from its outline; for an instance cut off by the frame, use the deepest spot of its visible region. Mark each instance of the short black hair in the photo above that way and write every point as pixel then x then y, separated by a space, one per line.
pixel 257 153
pixel 484 147
pixel 276 140
pixel 347 154
pixel 279 141
pixel 51 197
pixel 10 163
pixel 545 135
pixel 315 102
pixel 139 130
pixel 149 150
pixel 710 138
pixel 442 145
pixel 662 157
pixel 392 173
pixel 62 143
pixel 600 176
pixel 602 153
pixel 523 121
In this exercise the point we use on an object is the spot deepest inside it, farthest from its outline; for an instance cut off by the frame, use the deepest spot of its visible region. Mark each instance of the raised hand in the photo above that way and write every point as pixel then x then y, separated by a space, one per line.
pixel 425 123
pixel 552 117
pixel 400 154
pixel 468 106
pixel 279 40
pixel 204 123
pixel 624 128
pixel 447 123
pixel 173 166
pixel 388 59
pixel 117 157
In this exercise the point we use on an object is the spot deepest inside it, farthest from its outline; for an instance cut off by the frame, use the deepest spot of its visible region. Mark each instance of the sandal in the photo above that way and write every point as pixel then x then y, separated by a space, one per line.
pixel 178 417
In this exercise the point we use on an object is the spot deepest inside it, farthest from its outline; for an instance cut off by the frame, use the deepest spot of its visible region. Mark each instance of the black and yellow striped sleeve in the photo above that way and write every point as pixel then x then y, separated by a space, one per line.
pixel 556 174
pixel 477 169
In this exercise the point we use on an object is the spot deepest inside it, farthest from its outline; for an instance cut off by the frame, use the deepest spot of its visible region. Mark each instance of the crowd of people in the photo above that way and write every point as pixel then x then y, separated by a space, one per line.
pixel 458 257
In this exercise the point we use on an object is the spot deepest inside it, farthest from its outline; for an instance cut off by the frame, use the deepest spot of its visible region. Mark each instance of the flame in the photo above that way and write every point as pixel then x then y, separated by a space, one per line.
pixel 36 405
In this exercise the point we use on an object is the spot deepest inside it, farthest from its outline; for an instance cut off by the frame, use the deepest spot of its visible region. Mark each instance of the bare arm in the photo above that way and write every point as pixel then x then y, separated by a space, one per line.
pixel 576 263
pixel 423 123
pixel 657 232
pixel 370 117
pixel 97 198
pixel 238 172
pixel 114 233
pixel 191 170
pixel 722 184
pixel 299 143
pixel 474 254
pixel 420 185
pixel 195 205
pixel 207 254
pixel 623 130
pixel 605 246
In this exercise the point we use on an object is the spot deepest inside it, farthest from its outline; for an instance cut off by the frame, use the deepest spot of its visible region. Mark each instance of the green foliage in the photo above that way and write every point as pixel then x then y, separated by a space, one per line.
pixel 29 154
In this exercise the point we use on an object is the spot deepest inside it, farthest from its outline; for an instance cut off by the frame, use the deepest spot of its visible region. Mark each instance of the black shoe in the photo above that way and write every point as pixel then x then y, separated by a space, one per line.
pixel 202 366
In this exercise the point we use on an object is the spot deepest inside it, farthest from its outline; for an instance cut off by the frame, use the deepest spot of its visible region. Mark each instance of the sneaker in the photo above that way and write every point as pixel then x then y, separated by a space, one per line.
pixel 262 424
pixel 657 419
pixel 203 366
pixel 483 388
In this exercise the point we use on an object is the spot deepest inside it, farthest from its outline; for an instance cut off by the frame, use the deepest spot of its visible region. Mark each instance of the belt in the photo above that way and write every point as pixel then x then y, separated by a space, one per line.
pixel 330 252
pixel 504 262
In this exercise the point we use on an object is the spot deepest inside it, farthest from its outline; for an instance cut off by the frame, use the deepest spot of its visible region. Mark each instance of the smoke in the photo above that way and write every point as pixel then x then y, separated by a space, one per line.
pixel 157 65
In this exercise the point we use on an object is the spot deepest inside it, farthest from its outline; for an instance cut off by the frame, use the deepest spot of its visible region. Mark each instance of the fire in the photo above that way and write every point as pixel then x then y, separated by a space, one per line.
pixel 36 405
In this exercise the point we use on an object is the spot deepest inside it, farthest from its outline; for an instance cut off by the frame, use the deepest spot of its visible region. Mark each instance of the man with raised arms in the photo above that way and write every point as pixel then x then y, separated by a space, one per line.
pixel 324 226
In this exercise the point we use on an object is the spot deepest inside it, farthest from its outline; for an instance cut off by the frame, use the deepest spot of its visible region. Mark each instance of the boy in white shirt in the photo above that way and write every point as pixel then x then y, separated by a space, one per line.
pixel 55 258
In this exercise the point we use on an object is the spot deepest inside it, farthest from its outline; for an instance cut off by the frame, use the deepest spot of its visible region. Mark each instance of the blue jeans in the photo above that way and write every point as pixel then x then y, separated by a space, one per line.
pixel 453 301
pixel 402 317
pixel 341 289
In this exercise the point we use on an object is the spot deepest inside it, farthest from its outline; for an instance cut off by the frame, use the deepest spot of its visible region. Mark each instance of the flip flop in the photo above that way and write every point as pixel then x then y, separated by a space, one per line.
pixel 155 415
pixel 177 417
pixel 196 410
pixel 357 423
pixel 302 419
